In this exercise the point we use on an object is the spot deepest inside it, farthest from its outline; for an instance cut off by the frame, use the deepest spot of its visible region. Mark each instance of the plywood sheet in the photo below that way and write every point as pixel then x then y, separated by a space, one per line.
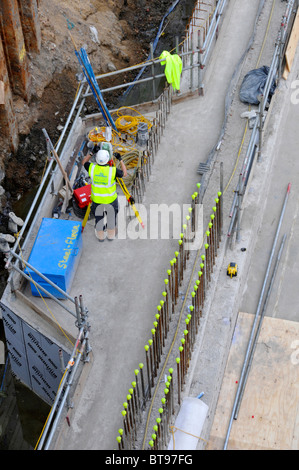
pixel 292 46
pixel 269 413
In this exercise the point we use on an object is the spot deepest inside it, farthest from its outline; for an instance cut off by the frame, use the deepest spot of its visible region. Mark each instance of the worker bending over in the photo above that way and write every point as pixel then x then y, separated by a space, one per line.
pixel 103 191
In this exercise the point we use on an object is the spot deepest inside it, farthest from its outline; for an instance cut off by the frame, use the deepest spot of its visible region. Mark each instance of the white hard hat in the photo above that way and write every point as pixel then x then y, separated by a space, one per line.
pixel 102 157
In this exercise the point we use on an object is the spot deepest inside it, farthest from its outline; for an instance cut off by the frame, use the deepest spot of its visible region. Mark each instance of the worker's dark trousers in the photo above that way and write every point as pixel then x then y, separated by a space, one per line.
pixel 110 211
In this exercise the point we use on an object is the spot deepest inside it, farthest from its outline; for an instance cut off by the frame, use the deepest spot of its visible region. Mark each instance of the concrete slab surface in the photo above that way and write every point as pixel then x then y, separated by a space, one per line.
pixel 122 281
pixel 130 273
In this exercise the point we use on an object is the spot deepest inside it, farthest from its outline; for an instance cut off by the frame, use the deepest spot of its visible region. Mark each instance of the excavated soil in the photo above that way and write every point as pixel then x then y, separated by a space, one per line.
pixel 115 33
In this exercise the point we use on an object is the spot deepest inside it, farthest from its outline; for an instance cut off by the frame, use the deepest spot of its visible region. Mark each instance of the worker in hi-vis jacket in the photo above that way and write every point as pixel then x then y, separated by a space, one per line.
pixel 103 191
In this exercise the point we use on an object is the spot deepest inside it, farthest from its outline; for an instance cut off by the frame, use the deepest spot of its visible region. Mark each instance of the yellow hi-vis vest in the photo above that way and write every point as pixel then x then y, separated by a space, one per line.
pixel 103 184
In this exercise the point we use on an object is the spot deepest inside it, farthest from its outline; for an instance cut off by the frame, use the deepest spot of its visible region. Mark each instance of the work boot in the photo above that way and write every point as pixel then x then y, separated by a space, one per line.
pixel 111 234
pixel 100 235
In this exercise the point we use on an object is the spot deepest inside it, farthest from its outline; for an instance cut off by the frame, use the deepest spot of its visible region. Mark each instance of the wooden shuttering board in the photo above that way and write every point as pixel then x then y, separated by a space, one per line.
pixel 269 414
pixel 291 47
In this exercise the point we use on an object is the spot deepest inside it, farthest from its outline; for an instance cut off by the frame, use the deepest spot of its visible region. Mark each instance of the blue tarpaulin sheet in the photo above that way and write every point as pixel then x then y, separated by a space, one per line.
pixel 253 85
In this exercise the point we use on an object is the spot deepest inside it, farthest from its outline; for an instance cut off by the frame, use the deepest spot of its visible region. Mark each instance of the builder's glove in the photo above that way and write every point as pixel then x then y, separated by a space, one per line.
pixel 118 156
pixel 94 148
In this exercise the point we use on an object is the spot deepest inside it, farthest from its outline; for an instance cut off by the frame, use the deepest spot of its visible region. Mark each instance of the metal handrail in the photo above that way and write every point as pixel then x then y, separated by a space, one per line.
pixel 250 153
pixel 64 390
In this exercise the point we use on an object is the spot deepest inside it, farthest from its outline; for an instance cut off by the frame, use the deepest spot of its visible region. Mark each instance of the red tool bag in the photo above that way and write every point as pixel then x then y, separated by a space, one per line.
pixel 82 195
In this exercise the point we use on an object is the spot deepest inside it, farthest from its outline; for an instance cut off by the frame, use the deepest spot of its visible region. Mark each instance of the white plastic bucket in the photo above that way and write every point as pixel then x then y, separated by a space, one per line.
pixel 188 424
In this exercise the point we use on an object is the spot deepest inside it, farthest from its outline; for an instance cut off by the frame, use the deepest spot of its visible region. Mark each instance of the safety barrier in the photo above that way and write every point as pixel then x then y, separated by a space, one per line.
pixel 256 141
pixel 141 390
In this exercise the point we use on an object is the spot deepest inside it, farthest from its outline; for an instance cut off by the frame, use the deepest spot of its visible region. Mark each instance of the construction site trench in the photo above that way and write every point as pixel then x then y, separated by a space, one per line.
pixel 206 130
pixel 125 31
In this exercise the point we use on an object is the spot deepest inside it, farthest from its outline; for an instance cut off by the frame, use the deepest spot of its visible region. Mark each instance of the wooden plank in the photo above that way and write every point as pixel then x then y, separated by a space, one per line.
pixel 269 414
pixel 292 46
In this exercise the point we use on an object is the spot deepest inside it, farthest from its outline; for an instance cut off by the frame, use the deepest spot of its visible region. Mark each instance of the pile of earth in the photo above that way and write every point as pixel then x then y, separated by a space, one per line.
pixel 116 34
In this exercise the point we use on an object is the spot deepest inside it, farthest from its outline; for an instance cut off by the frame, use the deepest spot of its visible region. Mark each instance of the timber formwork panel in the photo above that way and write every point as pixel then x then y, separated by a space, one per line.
pixel 30 24
pixel 8 122
pixel 14 46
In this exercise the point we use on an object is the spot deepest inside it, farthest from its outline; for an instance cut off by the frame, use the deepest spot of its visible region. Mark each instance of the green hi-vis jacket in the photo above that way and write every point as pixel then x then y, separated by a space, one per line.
pixel 103 183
